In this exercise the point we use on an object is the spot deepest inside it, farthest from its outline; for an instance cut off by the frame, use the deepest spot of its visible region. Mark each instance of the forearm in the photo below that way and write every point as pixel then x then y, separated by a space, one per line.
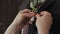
pixel 12 29
pixel 15 26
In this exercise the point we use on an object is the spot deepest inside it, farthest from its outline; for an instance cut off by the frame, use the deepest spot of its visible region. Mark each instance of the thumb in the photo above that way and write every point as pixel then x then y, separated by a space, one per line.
pixel 38 16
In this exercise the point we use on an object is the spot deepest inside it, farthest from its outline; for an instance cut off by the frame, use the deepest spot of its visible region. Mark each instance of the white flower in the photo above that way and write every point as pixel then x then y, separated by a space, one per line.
pixel 33 3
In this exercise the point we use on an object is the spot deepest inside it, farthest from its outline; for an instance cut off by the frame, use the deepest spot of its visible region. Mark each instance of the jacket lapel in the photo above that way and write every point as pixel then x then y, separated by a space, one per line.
pixel 46 4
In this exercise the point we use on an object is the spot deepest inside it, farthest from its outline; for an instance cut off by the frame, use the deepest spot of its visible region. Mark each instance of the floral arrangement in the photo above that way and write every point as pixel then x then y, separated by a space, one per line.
pixel 36 4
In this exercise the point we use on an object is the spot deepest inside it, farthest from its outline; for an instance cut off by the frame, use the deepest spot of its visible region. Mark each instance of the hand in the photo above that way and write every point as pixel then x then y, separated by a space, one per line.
pixel 24 16
pixel 20 21
pixel 43 22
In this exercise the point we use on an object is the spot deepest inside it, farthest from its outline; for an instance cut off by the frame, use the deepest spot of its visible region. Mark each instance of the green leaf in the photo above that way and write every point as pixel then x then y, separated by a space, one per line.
pixel 34 3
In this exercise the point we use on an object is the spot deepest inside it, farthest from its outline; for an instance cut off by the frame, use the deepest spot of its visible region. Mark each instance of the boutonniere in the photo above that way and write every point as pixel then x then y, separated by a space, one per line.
pixel 36 4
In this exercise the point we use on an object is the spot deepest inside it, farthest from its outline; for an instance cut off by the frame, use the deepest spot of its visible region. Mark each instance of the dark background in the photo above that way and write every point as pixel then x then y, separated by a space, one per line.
pixel 8 11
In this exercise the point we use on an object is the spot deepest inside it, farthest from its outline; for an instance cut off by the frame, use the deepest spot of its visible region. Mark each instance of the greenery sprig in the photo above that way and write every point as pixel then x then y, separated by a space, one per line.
pixel 35 4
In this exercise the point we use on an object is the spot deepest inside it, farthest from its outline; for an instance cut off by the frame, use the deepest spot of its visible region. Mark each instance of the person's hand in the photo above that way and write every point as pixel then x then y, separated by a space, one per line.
pixel 21 20
pixel 24 16
pixel 44 21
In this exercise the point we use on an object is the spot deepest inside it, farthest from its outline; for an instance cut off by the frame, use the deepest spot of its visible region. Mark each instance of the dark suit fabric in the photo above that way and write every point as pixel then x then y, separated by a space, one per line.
pixel 52 6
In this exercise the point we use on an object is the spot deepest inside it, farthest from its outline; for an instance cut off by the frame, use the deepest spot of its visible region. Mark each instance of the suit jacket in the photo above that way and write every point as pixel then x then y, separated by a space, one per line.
pixel 53 6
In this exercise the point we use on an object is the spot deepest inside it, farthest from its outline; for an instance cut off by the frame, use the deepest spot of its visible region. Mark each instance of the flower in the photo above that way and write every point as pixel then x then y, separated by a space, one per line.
pixel 35 4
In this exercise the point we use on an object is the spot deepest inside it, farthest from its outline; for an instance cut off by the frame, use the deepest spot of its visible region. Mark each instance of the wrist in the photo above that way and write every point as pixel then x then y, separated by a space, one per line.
pixel 42 31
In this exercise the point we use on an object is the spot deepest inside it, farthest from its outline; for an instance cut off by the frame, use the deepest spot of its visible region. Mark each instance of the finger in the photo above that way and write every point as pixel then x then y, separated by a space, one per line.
pixel 29 15
pixel 45 13
pixel 41 13
pixel 32 14
pixel 25 11
pixel 38 16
